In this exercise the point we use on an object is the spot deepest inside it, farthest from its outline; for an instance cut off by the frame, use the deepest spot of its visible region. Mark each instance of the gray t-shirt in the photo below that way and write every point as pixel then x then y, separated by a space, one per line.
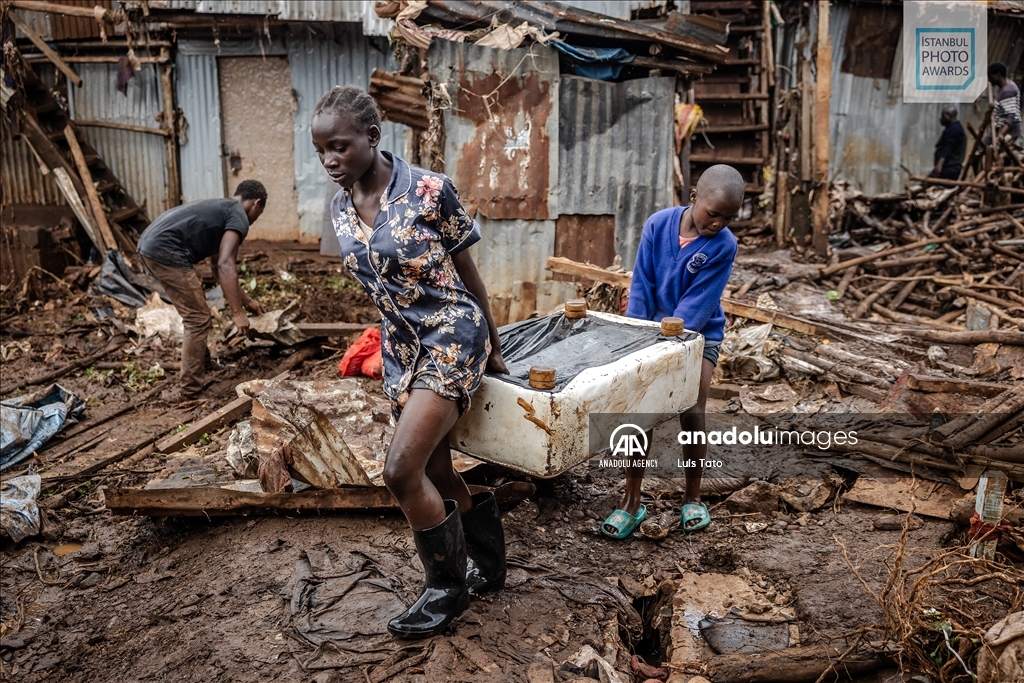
pixel 187 234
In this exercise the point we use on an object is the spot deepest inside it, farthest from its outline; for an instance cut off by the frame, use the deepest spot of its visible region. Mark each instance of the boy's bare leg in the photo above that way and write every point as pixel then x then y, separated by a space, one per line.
pixel 423 426
pixel 693 421
pixel 631 498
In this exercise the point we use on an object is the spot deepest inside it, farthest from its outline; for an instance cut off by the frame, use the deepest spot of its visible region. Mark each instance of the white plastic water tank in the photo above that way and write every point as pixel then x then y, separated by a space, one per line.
pixel 545 432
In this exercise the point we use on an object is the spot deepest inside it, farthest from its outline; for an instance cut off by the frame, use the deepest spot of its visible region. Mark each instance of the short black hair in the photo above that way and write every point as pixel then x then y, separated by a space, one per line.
pixel 997 68
pixel 352 102
pixel 252 189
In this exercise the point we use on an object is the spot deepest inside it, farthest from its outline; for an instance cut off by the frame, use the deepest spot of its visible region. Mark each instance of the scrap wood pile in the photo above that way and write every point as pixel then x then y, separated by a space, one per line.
pixel 935 259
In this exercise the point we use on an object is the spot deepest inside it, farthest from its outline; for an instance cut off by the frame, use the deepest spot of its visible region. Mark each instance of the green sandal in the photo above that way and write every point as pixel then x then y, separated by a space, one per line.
pixel 623 523
pixel 695 512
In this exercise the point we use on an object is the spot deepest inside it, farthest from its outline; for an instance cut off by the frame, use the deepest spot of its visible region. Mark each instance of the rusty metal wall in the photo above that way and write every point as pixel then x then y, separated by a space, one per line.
pixel 501 135
pixel 198 96
pixel 139 160
pixel 615 152
pixel 21 181
pixel 620 9
pixel 873 132
pixel 511 251
pixel 51 26
pixel 318 63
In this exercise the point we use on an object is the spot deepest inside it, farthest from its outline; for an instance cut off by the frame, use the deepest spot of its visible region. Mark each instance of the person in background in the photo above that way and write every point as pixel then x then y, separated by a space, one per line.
pixel 1007 112
pixel 182 237
pixel 950 149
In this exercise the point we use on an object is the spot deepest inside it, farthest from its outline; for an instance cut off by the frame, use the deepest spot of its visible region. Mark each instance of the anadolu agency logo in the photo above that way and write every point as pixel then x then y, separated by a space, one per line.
pixel 628 445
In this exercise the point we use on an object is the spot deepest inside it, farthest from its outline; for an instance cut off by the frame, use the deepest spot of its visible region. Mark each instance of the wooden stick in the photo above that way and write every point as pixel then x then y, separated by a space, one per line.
pixel 100 59
pixel 964 183
pixel 793 665
pixel 822 95
pixel 981 297
pixel 63 66
pixel 227 413
pixel 860 260
pixel 837 368
pixel 113 345
pixel 331 329
pixel 986 422
pixel 865 305
pixel 905 319
pixel 90 188
pixel 990 406
pixel 70 10
pixel 121 126
pixel 558 264
pixel 909 261
pixel 171 140
pixel 1007 337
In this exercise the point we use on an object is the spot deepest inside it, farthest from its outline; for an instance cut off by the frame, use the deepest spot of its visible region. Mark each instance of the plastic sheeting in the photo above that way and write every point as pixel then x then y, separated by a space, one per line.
pixel 120 282
pixel 571 346
pixel 27 422
pixel 19 512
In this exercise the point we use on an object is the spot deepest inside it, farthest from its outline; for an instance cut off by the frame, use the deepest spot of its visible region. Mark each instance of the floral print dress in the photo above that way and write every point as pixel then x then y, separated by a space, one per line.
pixel 433 333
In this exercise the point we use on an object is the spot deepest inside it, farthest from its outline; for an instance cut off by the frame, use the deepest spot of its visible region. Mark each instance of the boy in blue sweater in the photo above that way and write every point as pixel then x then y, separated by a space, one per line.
pixel 682 266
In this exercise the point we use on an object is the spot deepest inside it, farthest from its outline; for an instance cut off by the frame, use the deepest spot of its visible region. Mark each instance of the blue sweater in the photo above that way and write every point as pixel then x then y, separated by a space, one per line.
pixel 685 283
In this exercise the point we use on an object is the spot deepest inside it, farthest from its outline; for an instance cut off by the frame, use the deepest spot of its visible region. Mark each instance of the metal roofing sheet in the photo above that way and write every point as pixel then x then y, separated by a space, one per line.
pixel 615 152
pixel 198 96
pixel 137 159
pixel 22 182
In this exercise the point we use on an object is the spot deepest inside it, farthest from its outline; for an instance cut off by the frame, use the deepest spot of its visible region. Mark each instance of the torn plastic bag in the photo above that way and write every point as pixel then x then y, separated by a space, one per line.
pixel 570 346
pixel 157 319
pixel 19 511
pixel 745 353
pixel 599 63
pixel 27 422
pixel 130 287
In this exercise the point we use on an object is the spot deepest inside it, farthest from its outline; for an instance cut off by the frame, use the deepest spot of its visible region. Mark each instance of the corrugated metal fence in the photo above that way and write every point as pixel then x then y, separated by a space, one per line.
pixel 139 160
pixel 21 180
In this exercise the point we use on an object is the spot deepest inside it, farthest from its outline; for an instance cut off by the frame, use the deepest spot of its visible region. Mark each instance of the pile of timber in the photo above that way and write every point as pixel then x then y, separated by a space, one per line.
pixel 947 255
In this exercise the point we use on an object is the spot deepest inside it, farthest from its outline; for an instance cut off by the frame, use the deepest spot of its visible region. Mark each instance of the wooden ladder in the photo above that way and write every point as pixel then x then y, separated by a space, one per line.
pixel 104 207
pixel 735 98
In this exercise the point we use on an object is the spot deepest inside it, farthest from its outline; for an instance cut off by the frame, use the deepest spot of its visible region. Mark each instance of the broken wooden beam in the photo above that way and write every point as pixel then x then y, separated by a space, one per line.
pixel 223 415
pixel 218 502
pixel 401 98
pixel 98 214
pixel 941 385
pixel 964 183
pixel 764 315
pixel 55 58
pixel 558 264
pixel 105 14
pixel 792 665
pixel 1008 337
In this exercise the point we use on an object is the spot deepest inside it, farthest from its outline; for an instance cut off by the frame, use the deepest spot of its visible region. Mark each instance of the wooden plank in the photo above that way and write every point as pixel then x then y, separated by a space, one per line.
pixel 331 329
pixel 218 502
pixel 940 385
pixel 88 123
pixel 963 183
pixel 90 189
pixel 1007 337
pixel 765 315
pixel 822 101
pixel 63 66
pixel 557 264
pixel 928 498
pixel 171 140
pixel 227 413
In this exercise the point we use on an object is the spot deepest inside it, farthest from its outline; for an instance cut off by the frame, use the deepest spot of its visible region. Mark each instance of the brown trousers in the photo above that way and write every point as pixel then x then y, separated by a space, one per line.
pixel 185 290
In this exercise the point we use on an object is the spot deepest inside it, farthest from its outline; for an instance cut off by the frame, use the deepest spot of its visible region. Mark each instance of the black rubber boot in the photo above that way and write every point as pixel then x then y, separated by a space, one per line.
pixel 442 550
pixel 485 541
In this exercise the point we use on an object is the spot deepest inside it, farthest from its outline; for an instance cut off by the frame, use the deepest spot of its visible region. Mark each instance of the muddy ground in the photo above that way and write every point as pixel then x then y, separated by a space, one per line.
pixel 104 598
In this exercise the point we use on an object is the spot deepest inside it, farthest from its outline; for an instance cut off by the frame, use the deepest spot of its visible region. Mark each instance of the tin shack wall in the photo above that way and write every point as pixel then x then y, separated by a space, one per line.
pixel 21 181
pixel 873 132
pixel 352 11
pixel 320 60
pixel 615 153
pixel 139 160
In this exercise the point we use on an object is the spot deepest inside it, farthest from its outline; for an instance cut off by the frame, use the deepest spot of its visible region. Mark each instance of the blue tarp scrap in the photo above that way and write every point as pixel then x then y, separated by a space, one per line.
pixel 600 63
pixel 27 422
pixel 19 507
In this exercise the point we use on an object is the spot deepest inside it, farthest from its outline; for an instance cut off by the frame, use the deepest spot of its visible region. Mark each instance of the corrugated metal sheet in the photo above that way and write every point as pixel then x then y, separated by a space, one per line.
pixel 22 181
pixel 615 152
pixel 512 251
pixel 139 160
pixel 79 28
pixel 500 147
pixel 614 8
pixel 351 11
pixel 198 96
pixel 318 63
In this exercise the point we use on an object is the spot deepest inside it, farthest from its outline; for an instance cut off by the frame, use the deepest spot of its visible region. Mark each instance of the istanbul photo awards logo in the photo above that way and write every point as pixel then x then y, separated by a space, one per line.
pixel 945 50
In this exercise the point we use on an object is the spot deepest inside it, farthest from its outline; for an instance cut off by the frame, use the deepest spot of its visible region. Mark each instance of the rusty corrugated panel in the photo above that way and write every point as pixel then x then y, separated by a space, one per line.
pixel 318 63
pixel 511 251
pixel 198 96
pixel 500 146
pixel 22 181
pixel 614 8
pixel 78 28
pixel 138 160
pixel 615 152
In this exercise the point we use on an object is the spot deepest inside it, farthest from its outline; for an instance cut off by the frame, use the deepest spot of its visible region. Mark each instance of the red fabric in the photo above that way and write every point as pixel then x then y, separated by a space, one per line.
pixel 984 531
pixel 363 357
